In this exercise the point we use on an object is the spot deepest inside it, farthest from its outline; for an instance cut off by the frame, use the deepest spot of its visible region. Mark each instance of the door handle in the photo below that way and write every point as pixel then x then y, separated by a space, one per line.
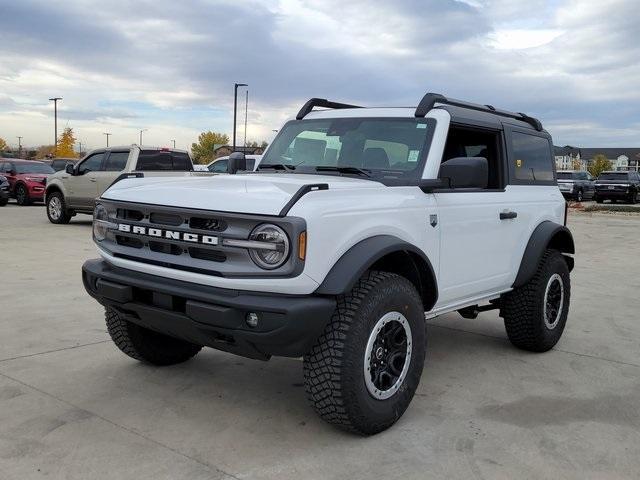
pixel 508 215
pixel 92 179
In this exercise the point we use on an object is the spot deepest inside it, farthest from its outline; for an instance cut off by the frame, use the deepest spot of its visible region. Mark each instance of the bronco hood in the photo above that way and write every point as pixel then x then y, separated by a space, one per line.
pixel 262 194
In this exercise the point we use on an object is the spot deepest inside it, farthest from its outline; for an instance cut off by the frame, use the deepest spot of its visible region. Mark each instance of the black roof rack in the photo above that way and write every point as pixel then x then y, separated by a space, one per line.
pixel 430 99
pixel 321 102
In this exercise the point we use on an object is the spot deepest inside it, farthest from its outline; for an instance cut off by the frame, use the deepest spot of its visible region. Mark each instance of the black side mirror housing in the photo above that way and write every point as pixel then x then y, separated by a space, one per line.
pixel 237 162
pixel 466 172
pixel 13 172
pixel 69 168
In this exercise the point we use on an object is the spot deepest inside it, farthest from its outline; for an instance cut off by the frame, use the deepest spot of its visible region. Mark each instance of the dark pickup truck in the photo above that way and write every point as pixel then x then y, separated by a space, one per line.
pixel 618 186
pixel 576 185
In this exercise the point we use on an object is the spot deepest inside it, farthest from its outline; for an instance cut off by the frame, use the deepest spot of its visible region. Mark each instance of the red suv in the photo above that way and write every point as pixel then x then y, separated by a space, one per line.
pixel 27 179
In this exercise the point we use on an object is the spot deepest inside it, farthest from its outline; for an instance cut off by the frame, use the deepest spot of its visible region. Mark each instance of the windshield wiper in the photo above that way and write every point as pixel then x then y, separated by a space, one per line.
pixel 276 166
pixel 356 170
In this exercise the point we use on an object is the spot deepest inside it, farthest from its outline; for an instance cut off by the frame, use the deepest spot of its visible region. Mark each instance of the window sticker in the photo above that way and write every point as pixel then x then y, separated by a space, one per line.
pixel 421 125
pixel 518 163
pixel 413 156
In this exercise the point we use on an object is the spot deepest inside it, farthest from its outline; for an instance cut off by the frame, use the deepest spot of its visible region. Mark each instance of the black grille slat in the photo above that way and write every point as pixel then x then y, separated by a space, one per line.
pixel 165 219
pixel 163 247
pixel 127 214
pixel 207 254
pixel 209 224
pixel 129 241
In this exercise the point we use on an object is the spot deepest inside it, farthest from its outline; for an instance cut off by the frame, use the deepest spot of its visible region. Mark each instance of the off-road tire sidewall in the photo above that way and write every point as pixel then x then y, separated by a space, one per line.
pixel 339 394
pixel 522 309
pixel 64 215
pixel 146 345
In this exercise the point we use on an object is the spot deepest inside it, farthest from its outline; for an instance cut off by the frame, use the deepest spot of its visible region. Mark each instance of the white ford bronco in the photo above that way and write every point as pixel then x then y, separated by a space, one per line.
pixel 356 225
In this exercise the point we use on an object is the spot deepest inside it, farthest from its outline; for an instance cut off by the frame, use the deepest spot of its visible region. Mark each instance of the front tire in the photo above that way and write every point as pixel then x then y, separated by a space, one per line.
pixel 579 196
pixel 146 345
pixel 57 209
pixel 3 201
pixel 363 371
pixel 22 195
pixel 536 313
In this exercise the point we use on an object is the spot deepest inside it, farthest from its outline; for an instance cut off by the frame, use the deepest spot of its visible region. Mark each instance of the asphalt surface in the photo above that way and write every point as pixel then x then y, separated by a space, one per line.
pixel 73 407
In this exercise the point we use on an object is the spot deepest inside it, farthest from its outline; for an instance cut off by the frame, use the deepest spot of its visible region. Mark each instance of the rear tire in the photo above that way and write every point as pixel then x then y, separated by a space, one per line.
pixel 22 195
pixel 146 345
pixel 3 201
pixel 598 199
pixel 363 371
pixel 57 209
pixel 633 198
pixel 536 313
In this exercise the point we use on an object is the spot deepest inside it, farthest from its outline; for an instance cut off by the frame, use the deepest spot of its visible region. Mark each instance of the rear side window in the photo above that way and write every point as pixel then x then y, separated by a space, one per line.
pixel 531 158
pixel 159 160
pixel 117 161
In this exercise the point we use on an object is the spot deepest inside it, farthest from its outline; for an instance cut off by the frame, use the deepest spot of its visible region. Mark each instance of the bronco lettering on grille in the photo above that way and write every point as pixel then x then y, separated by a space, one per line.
pixel 168 234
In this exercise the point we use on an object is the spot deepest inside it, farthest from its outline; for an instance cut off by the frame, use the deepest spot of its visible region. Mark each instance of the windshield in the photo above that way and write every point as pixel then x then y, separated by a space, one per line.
pixel 389 147
pixel 614 176
pixel 33 168
pixel 565 175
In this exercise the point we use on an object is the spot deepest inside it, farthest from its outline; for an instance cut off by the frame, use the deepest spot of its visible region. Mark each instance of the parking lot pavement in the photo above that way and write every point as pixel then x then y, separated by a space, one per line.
pixel 72 406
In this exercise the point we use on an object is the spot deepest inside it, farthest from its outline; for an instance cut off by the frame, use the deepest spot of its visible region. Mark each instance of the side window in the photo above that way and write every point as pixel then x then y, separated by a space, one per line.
pixel 463 142
pixel 532 161
pixel 116 162
pixel 91 164
pixel 4 167
pixel 163 160
pixel 219 167
pixel 181 161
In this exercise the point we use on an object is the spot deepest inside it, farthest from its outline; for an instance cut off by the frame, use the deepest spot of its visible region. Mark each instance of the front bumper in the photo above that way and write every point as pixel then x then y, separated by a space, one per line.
pixel 36 190
pixel 612 194
pixel 214 317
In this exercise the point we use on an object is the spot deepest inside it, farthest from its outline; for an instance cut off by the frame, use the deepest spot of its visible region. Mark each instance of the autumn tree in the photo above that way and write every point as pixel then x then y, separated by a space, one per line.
pixel 66 144
pixel 599 164
pixel 576 164
pixel 202 151
pixel 253 143
pixel 3 144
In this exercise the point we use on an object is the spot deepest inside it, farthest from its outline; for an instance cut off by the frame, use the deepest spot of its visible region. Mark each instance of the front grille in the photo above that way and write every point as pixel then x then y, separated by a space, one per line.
pixel 191 239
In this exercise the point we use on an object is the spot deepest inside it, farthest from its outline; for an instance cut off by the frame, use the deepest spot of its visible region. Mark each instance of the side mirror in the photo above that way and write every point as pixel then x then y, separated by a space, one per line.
pixel 237 161
pixel 13 172
pixel 69 168
pixel 466 172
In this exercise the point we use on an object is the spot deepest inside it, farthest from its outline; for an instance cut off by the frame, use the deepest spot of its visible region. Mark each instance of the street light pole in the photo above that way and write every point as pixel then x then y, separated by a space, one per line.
pixel 246 110
pixel 235 109
pixel 55 124
pixel 79 147
pixel 107 134
pixel 143 130
pixel 19 147
pixel 174 144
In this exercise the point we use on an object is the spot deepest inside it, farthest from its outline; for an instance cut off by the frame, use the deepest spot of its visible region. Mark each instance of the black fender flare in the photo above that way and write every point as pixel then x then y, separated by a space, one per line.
pixel 546 235
pixel 360 257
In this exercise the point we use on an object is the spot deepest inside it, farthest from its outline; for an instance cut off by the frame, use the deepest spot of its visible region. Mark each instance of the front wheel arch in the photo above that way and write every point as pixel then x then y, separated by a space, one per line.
pixel 383 253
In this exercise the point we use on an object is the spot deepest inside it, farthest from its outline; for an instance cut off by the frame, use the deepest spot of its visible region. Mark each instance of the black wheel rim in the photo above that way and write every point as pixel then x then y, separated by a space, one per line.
pixel 20 194
pixel 553 301
pixel 388 355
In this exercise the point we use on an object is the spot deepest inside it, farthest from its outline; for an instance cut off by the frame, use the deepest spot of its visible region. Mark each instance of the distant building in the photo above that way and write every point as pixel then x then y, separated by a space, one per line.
pixel 620 158
pixel 225 150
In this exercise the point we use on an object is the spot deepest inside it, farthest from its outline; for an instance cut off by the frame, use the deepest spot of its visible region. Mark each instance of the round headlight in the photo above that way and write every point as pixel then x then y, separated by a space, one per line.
pixel 100 222
pixel 276 246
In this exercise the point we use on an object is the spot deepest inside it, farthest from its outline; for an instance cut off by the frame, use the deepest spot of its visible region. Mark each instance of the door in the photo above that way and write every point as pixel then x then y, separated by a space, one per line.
pixel 82 188
pixel 114 165
pixel 478 226
pixel 6 169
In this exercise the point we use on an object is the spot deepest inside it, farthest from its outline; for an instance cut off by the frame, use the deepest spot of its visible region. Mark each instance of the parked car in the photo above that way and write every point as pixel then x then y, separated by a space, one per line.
pixel 60 163
pixel 355 223
pixel 219 165
pixel 27 179
pixel 618 185
pixel 75 189
pixel 4 191
pixel 576 185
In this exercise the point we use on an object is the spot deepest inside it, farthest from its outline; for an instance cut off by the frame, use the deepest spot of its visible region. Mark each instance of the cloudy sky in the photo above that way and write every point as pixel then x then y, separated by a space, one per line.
pixel 169 66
